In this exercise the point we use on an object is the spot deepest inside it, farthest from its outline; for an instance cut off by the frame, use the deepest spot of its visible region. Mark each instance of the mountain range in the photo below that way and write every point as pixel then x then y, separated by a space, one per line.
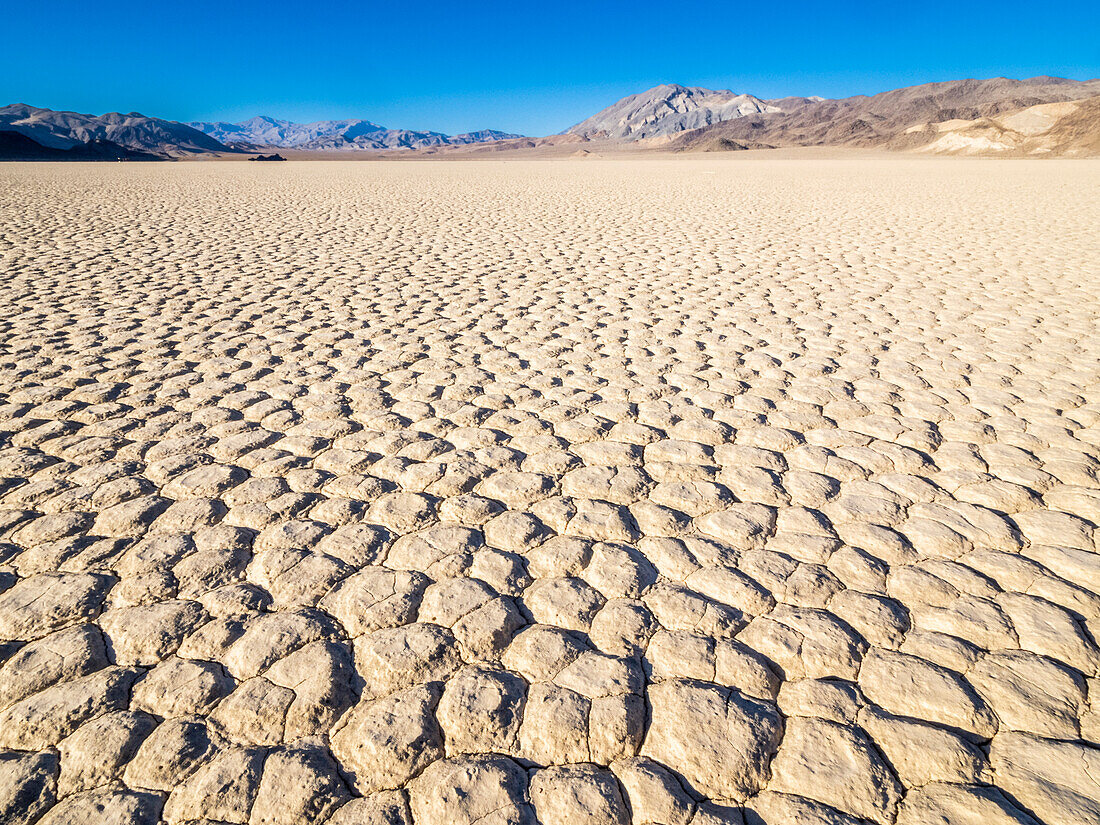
pixel 999 116
pixel 326 135
pixel 65 130
pixel 136 133
pixel 993 116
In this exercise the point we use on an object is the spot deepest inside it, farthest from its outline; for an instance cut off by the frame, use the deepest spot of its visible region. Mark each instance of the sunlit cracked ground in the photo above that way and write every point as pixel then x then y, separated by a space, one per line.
pixel 682 491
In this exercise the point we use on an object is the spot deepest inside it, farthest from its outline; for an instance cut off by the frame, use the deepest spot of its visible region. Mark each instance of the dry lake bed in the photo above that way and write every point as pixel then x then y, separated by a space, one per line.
pixel 635 491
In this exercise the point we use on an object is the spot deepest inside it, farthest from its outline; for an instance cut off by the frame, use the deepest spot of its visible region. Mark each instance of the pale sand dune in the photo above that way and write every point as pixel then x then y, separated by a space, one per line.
pixel 642 491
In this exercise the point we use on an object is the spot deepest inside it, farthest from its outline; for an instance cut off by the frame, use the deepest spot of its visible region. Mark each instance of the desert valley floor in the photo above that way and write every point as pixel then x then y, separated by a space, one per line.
pixel 631 491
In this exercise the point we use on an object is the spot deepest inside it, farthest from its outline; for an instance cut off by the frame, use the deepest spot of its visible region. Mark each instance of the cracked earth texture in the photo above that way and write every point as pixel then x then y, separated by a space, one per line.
pixel 686 491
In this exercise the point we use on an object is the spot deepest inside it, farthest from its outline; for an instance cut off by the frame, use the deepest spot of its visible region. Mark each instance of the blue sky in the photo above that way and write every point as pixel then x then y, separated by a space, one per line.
pixel 535 68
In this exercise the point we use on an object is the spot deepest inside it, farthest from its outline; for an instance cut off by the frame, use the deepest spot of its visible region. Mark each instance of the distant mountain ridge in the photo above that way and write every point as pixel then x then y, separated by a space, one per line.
pixel 669 109
pixel 58 131
pixel 335 135
pixel 65 130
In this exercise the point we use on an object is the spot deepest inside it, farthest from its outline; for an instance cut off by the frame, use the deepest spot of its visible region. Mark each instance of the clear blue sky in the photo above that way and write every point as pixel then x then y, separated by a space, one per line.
pixel 535 68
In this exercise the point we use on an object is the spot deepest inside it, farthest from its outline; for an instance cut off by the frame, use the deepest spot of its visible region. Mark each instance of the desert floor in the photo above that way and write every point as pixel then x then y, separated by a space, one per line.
pixel 639 491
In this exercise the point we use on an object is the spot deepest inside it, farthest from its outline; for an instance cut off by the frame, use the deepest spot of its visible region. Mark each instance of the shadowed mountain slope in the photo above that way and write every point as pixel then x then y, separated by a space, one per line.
pixel 17 146
pixel 63 130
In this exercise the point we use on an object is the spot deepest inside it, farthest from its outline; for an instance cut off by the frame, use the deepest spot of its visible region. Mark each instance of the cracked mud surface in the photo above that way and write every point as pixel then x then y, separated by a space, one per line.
pixel 670 492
